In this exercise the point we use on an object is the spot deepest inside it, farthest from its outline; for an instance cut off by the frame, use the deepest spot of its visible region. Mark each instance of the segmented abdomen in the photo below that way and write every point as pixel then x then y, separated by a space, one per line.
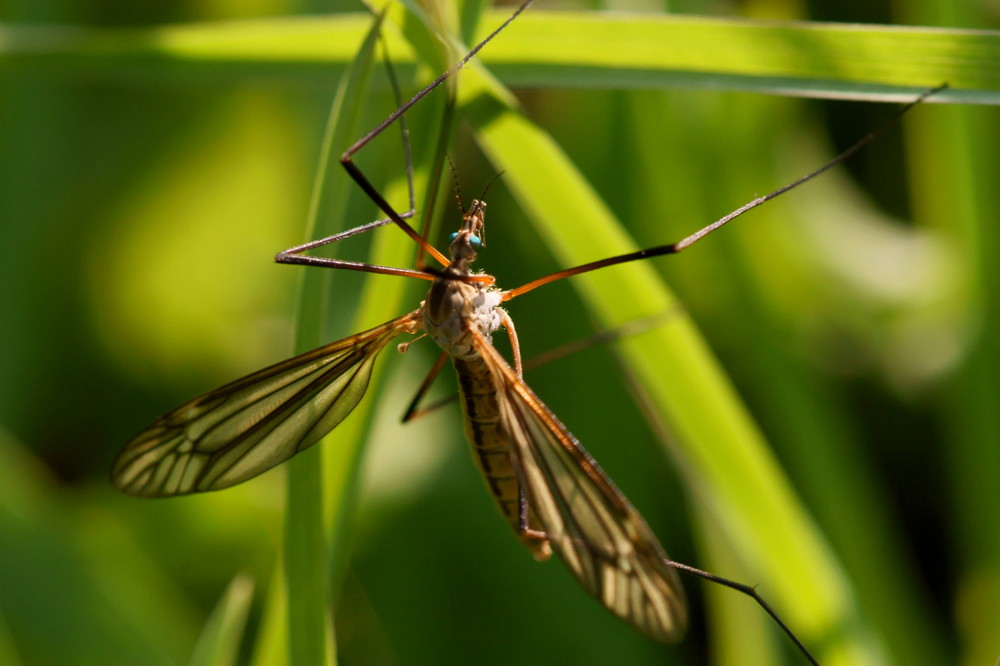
pixel 490 445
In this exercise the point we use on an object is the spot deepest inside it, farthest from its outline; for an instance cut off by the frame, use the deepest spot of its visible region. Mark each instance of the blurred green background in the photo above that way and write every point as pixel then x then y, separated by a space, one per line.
pixel 141 207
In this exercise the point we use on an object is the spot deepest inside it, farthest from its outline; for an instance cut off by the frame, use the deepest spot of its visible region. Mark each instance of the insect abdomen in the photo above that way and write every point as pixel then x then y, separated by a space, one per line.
pixel 490 447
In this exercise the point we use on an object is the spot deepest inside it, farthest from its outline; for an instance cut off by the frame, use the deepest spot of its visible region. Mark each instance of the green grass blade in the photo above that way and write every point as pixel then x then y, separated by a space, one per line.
pixel 219 643
pixel 727 466
pixel 381 299
pixel 270 647
pixel 730 474
pixel 561 49
pixel 316 503
pixel 8 651
pixel 613 50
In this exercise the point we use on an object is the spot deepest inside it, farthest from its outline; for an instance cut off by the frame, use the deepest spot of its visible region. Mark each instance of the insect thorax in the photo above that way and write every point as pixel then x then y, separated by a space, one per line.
pixel 453 308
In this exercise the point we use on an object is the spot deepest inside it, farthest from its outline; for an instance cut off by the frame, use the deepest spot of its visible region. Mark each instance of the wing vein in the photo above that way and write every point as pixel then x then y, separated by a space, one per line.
pixel 602 539
pixel 246 427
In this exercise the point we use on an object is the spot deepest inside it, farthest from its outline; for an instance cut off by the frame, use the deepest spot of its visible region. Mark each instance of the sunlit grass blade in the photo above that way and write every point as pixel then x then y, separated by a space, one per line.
pixel 317 494
pixel 270 646
pixel 777 271
pixel 219 643
pixel 720 451
pixel 380 299
pixel 562 49
pixel 728 467
pixel 621 50
pixel 8 651
pixel 737 632
pixel 58 108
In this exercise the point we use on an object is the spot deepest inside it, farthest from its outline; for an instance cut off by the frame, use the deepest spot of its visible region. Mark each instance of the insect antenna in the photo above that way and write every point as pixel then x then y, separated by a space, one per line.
pixel 457 185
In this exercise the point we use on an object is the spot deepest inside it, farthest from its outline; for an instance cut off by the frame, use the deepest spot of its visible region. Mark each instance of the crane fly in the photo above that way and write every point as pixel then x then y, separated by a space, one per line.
pixel 549 489
pixel 546 486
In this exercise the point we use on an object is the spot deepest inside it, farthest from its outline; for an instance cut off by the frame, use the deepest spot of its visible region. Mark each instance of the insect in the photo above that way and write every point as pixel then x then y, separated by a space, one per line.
pixel 546 486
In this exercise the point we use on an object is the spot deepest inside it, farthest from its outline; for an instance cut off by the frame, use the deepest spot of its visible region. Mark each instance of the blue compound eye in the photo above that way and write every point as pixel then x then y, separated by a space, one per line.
pixel 474 240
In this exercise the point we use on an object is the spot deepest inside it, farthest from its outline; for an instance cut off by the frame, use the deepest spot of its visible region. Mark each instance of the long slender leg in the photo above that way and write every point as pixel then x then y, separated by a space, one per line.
pixel 600 338
pixel 413 411
pixel 404 133
pixel 434 182
pixel 751 592
pixel 363 182
pixel 524 517
pixel 515 346
pixel 628 329
pixel 674 248
pixel 295 255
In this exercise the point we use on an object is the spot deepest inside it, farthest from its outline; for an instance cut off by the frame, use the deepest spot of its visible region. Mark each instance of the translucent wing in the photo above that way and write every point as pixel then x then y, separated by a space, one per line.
pixel 602 539
pixel 246 427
